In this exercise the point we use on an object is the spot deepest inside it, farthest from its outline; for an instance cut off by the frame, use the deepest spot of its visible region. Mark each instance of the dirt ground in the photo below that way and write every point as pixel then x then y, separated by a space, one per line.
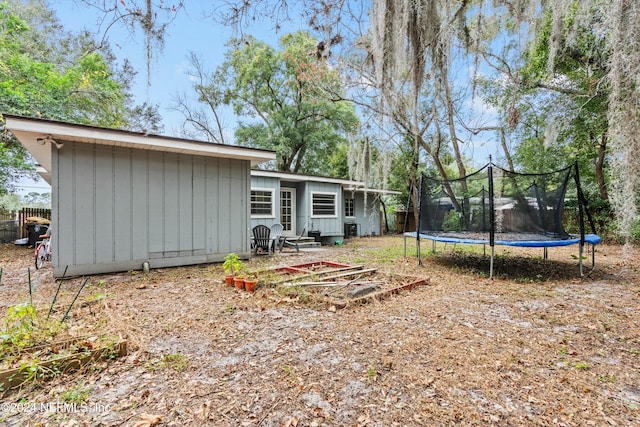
pixel 536 346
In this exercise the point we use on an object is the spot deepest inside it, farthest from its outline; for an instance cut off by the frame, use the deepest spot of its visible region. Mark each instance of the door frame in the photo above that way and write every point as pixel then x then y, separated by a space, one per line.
pixel 292 191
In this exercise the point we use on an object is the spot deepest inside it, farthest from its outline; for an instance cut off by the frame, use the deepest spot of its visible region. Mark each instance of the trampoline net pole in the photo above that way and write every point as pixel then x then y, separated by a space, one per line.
pixel 492 219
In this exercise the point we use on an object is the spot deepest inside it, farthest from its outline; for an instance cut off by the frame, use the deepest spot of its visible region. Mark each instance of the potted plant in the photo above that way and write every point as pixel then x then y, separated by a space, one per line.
pixel 251 283
pixel 232 265
pixel 239 282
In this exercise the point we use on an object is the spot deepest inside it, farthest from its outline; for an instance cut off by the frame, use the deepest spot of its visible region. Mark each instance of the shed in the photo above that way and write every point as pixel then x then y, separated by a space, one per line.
pixel 121 198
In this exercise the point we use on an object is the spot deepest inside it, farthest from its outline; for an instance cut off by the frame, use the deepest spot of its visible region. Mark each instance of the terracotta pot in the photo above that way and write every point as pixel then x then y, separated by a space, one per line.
pixel 228 280
pixel 250 285
pixel 239 281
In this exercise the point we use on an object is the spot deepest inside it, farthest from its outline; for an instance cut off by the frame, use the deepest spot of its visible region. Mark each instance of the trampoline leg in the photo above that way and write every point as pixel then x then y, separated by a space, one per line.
pixel 546 253
pixel 580 258
pixel 405 246
pixel 491 265
pixel 418 250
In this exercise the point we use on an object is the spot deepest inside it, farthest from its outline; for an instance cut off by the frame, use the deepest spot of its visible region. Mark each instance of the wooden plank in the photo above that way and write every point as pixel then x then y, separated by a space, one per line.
pixel 351 273
pixel 414 281
pixel 315 274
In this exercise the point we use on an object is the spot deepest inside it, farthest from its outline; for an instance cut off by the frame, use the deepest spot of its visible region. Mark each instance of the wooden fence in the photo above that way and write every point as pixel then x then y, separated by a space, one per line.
pixel 12 223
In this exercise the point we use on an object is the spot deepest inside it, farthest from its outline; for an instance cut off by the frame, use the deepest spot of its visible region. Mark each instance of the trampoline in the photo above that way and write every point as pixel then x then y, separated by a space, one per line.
pixel 494 206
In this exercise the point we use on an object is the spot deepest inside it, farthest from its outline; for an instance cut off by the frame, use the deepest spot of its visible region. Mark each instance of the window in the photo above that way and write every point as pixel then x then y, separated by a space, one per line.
pixel 349 208
pixel 323 204
pixel 262 203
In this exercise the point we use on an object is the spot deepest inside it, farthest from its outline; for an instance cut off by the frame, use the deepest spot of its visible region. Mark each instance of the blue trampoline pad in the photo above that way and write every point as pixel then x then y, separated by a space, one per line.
pixel 592 239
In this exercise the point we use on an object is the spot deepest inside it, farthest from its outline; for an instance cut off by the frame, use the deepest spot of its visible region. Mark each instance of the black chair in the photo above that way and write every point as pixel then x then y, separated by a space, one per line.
pixel 262 239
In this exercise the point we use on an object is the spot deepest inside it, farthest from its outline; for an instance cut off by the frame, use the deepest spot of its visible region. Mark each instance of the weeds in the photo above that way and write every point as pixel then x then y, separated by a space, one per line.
pixel 177 361
pixel 77 395
pixel 581 366
pixel 372 373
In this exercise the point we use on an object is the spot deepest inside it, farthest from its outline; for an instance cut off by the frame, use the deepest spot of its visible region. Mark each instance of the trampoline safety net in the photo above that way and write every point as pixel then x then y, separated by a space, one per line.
pixel 494 203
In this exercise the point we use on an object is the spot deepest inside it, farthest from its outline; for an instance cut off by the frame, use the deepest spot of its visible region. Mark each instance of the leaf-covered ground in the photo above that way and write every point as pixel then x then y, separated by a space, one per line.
pixel 536 346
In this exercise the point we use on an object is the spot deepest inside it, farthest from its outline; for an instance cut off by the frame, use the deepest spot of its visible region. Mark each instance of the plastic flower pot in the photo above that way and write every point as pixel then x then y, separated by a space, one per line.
pixel 250 285
pixel 228 280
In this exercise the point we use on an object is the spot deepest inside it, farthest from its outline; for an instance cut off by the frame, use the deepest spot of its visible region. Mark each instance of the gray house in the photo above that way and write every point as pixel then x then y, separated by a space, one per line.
pixel 122 198
pixel 337 208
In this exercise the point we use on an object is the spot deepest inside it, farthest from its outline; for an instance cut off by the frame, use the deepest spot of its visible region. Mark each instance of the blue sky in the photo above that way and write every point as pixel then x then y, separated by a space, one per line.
pixel 190 31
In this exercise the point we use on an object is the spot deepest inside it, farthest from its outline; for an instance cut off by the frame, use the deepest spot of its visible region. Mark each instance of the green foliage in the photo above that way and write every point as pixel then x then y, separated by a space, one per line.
pixel 451 221
pixel 78 395
pixel 176 361
pixel 19 323
pixel 232 263
pixel 289 100
pixel 47 72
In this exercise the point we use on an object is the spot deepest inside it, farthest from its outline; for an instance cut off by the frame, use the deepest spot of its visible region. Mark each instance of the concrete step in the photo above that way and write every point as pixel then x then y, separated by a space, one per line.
pixel 308 242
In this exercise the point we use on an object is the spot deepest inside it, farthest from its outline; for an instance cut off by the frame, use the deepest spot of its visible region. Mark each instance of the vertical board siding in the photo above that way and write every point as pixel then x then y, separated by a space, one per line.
pixel 327 226
pixel 198 233
pixel 367 216
pixel 156 202
pixel 123 206
pixel 171 207
pixel 212 200
pixel 139 205
pixel 186 225
pixel 104 219
pixel 84 204
pixel 117 207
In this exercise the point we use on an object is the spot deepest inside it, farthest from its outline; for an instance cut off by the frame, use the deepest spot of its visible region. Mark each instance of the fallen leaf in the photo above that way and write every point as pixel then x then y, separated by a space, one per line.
pixel 148 420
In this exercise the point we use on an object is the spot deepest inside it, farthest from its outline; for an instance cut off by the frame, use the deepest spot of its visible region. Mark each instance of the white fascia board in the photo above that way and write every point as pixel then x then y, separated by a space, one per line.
pixel 31 129
pixel 293 177
pixel 347 185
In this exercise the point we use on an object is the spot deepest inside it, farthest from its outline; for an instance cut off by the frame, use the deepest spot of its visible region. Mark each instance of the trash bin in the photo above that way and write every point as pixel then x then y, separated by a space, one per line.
pixel 315 235
pixel 34 232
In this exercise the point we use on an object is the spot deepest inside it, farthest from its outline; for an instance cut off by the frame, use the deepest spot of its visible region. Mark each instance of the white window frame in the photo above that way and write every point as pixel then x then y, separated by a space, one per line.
pixel 273 202
pixel 353 206
pixel 335 204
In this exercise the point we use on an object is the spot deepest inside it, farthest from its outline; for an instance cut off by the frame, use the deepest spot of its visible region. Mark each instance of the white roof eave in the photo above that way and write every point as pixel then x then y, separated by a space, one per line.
pixel 31 132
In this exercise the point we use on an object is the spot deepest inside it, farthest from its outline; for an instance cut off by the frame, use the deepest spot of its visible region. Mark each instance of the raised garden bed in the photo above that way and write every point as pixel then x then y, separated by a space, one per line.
pixel 342 284
pixel 43 362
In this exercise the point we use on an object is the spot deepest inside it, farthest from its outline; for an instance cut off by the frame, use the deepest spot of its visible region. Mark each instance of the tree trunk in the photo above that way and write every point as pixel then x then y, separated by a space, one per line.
pixel 602 186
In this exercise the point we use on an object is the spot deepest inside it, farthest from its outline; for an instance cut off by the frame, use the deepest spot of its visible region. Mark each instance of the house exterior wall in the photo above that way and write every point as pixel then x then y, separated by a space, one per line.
pixel 328 226
pixel 266 183
pixel 367 214
pixel 114 208
pixel 332 227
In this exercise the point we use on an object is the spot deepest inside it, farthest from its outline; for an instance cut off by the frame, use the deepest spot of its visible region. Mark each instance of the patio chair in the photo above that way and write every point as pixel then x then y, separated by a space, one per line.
pixel 276 235
pixel 293 243
pixel 262 239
